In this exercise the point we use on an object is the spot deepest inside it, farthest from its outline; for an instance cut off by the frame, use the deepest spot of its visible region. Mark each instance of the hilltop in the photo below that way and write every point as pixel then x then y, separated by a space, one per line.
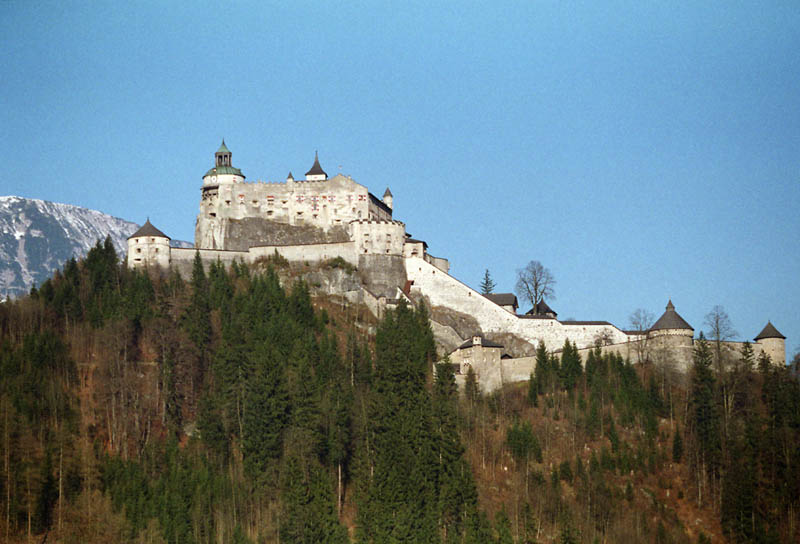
pixel 238 406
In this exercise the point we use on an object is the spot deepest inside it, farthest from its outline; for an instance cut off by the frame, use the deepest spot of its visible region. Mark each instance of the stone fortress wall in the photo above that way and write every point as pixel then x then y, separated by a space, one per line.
pixel 318 219
pixel 320 204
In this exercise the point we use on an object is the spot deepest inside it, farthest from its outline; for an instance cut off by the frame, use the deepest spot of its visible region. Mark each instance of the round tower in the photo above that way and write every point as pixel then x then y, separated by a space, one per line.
pixel 223 171
pixel 387 198
pixel 773 343
pixel 148 246
pixel 673 335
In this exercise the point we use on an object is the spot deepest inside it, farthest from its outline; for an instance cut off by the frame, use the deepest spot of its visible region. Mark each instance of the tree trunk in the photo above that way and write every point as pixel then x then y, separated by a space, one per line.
pixel 339 493
pixel 60 482
pixel 8 472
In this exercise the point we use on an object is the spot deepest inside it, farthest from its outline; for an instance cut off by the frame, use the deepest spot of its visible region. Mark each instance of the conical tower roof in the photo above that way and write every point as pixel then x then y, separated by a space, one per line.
pixel 769 331
pixel 671 320
pixel 387 192
pixel 223 148
pixel 316 169
pixel 148 230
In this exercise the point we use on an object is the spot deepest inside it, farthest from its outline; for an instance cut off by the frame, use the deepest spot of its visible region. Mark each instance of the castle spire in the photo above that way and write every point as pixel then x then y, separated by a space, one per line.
pixel 316 173
pixel 223 155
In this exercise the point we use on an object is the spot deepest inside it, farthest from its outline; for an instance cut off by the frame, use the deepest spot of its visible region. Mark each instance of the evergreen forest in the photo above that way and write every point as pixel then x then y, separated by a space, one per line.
pixel 233 405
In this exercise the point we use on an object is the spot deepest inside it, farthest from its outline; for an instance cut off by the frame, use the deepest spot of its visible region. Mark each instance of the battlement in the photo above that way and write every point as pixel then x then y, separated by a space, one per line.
pixel 377 222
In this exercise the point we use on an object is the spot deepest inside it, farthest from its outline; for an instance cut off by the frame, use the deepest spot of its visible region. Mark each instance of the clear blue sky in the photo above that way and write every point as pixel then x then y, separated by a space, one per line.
pixel 639 152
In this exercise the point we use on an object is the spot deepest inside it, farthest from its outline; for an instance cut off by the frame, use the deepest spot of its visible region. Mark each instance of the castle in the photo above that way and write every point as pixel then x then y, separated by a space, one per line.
pixel 317 219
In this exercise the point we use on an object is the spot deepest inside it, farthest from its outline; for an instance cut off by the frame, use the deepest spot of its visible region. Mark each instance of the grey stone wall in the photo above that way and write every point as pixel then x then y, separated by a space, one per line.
pixel 241 234
pixel 382 274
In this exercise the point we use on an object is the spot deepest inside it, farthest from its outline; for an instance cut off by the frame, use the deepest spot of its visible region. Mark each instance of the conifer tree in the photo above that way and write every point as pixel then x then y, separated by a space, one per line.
pixel 487 283
pixel 677 446
pixel 401 488
pixel 265 411
pixel 457 496
pixel 704 416
pixel 571 369
pixel 196 320
pixel 308 513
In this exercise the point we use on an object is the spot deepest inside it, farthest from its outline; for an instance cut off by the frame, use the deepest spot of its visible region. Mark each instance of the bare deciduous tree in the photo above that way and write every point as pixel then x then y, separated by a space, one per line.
pixel 535 282
pixel 641 320
pixel 719 329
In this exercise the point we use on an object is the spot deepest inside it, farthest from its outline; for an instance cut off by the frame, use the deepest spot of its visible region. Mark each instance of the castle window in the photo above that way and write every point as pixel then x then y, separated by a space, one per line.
pixel 156 250
pixel 138 250
pixel 152 240
pixel 269 213
pixel 212 214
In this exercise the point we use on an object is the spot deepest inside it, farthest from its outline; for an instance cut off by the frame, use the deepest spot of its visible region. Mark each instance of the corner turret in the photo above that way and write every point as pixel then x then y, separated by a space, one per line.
pixel 672 333
pixel 148 246
pixel 316 173
pixel 773 343
pixel 387 198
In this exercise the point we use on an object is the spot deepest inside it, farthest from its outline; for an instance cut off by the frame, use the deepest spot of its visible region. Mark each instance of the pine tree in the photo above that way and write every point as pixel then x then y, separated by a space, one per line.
pixel 487 283
pixel 308 512
pixel 503 528
pixel 196 319
pixel 704 415
pixel 401 488
pixel 677 445
pixel 471 388
pixel 457 494
pixel 571 369
pixel 266 412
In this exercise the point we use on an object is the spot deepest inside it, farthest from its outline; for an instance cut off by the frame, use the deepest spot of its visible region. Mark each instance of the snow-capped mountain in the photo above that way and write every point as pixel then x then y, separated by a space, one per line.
pixel 37 237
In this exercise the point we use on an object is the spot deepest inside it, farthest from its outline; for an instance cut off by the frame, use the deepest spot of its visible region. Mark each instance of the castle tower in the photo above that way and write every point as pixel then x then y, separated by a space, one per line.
pixel 148 246
pixel 772 343
pixel 387 198
pixel 672 335
pixel 316 173
pixel 223 171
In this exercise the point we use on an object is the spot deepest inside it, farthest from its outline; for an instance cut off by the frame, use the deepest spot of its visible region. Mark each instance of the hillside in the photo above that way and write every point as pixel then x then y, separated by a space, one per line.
pixel 238 406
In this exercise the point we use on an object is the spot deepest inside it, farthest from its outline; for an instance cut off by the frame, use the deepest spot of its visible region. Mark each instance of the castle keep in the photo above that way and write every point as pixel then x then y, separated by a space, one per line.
pixel 316 219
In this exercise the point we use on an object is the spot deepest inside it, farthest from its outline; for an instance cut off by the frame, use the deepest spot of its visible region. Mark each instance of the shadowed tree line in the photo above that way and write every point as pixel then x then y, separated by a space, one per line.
pixel 225 408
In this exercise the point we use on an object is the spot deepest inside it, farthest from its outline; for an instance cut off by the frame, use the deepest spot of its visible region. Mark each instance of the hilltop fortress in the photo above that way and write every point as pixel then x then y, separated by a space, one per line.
pixel 318 219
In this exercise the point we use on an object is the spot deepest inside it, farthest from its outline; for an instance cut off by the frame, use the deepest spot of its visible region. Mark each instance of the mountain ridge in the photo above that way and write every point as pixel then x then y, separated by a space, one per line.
pixel 38 236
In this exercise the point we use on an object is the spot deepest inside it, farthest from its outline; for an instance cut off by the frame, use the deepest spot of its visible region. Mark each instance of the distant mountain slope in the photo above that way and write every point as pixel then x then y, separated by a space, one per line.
pixel 37 237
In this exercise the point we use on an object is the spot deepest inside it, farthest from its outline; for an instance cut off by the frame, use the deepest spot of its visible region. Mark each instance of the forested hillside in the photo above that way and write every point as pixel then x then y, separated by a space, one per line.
pixel 231 407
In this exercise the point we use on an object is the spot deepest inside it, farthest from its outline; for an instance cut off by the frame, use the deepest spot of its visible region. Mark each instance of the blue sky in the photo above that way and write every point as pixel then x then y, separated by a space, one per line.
pixel 639 151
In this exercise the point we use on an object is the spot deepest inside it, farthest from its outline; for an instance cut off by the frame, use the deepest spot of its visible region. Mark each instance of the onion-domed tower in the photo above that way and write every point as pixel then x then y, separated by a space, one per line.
pixel 223 170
